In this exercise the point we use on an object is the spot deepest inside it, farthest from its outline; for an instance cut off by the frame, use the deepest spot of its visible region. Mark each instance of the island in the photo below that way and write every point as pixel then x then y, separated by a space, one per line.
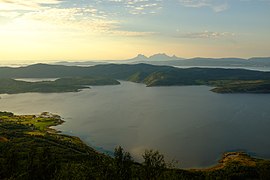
pixel 30 149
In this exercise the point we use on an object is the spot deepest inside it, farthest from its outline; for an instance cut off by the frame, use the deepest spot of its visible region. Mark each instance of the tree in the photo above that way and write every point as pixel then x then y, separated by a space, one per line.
pixel 11 162
pixel 153 165
pixel 123 163
pixel 31 164
pixel 47 164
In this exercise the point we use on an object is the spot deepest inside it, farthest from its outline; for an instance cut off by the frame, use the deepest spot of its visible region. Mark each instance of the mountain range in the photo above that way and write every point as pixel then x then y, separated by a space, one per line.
pixel 155 57
pixel 164 59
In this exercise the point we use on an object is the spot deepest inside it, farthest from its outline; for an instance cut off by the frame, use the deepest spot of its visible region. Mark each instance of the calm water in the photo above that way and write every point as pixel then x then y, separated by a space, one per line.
pixel 189 124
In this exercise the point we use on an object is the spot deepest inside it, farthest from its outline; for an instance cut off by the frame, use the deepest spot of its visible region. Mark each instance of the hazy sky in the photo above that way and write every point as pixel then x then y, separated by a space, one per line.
pixel 43 30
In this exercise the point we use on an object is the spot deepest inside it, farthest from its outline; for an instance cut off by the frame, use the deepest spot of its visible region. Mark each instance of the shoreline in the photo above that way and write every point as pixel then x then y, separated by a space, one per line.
pixel 219 164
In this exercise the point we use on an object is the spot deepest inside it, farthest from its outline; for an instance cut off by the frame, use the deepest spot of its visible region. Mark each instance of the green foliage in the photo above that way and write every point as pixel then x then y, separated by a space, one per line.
pixel 123 163
pixel 264 169
pixel 236 86
pixel 153 165
pixel 157 79
pixel 44 155
pixel 136 77
pixel 9 114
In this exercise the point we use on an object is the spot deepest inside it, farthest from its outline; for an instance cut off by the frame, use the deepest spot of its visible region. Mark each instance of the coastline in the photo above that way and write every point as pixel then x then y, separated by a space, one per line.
pixel 223 160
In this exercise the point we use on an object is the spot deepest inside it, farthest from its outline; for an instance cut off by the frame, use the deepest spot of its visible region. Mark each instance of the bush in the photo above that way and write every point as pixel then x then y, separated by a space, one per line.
pixel 153 165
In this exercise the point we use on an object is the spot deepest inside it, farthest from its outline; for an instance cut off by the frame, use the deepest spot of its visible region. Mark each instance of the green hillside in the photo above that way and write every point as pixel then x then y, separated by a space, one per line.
pixel 11 86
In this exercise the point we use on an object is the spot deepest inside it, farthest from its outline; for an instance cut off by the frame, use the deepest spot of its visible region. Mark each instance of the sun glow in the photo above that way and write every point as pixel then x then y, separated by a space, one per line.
pixel 48 30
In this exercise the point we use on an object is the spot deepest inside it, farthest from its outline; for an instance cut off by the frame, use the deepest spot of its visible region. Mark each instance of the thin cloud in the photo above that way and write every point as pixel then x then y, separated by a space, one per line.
pixel 82 20
pixel 86 20
pixel 136 7
pixel 9 14
pixel 131 33
pixel 215 5
pixel 205 35
pixel 9 5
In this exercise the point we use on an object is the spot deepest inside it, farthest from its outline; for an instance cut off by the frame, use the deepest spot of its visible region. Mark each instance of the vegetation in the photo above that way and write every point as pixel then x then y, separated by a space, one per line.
pixel 11 86
pixel 154 164
pixel 29 149
pixel 74 78
pixel 256 86
pixel 123 163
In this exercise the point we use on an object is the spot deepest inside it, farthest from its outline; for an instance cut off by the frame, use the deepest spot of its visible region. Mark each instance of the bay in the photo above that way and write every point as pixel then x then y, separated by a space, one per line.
pixel 187 123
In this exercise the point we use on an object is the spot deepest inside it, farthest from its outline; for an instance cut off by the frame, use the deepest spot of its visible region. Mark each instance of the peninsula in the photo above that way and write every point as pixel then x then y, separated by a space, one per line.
pixel 74 84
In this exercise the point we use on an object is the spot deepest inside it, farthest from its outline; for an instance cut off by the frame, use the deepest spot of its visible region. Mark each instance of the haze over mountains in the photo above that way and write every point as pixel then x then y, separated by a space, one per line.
pixel 164 59
pixel 140 58
pixel 155 57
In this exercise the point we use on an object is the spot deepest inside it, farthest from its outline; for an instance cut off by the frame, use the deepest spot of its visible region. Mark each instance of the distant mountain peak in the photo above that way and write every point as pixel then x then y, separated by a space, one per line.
pixel 159 55
pixel 163 57
pixel 155 57
pixel 141 56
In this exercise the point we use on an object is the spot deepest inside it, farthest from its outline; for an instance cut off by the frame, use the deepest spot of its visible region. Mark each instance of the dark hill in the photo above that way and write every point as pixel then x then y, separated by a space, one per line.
pixel 124 71
pixel 144 73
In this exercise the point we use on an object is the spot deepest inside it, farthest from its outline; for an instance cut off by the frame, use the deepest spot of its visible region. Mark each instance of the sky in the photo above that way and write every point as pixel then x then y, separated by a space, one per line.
pixel 78 30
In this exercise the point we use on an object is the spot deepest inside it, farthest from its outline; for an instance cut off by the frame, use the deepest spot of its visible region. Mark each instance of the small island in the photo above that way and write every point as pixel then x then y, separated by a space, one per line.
pixel 30 149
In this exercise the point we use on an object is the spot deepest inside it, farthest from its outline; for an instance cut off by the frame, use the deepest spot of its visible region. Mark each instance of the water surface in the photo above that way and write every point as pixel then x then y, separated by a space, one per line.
pixel 190 124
